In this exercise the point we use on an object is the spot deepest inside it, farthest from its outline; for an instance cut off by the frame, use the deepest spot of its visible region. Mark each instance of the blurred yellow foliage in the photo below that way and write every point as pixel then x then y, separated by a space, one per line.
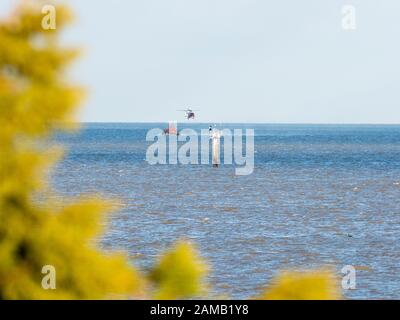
pixel 310 285
pixel 35 98
pixel 179 273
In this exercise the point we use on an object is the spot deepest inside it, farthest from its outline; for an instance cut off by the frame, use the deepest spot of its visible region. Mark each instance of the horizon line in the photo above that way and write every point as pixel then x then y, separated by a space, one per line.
pixel 232 122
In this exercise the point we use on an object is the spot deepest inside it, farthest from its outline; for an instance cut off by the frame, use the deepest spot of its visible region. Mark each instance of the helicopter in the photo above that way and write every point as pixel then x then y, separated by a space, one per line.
pixel 189 113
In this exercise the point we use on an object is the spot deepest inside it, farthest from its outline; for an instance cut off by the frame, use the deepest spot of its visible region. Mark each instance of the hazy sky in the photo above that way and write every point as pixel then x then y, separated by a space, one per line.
pixel 238 60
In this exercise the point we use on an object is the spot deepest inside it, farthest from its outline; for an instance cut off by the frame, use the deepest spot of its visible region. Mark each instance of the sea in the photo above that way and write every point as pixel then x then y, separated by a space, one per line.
pixel 320 196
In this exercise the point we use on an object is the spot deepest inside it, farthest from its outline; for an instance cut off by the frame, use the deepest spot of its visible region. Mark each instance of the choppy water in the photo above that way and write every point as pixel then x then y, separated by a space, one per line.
pixel 319 195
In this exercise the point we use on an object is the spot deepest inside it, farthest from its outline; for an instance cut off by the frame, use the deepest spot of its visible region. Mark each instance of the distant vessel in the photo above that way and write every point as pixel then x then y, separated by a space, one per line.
pixel 171 130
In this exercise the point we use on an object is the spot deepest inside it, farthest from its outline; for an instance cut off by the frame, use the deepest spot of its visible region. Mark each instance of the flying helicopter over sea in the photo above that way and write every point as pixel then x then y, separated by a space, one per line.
pixel 172 130
pixel 189 113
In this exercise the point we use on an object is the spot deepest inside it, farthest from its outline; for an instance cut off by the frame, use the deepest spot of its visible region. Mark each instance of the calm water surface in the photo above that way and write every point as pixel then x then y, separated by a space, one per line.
pixel 320 195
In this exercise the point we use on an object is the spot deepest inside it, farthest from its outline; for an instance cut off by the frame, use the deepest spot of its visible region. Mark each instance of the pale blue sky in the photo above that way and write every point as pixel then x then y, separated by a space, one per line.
pixel 238 60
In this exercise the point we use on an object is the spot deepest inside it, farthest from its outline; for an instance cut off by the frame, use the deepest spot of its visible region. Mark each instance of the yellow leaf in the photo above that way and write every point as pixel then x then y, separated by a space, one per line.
pixel 307 285
pixel 179 273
